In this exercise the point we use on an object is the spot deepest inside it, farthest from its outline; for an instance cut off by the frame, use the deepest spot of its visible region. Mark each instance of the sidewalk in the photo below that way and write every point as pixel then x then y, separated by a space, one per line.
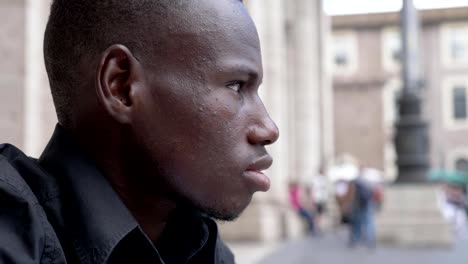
pixel 252 253
pixel 331 249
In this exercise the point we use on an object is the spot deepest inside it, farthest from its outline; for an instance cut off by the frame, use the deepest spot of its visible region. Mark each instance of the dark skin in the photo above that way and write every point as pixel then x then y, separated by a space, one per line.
pixel 185 126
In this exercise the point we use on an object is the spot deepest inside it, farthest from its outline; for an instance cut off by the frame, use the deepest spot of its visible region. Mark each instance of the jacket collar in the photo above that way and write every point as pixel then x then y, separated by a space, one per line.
pixel 93 213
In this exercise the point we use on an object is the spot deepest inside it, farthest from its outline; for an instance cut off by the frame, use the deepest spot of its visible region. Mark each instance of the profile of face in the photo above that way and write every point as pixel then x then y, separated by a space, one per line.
pixel 198 115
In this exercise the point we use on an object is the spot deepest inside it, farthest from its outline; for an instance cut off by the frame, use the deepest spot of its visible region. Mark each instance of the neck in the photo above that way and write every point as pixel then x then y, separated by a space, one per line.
pixel 152 213
pixel 142 192
pixel 137 185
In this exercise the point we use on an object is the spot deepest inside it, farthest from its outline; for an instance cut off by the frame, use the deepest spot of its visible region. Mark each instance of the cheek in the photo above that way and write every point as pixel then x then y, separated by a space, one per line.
pixel 214 139
pixel 221 128
pixel 213 146
pixel 195 132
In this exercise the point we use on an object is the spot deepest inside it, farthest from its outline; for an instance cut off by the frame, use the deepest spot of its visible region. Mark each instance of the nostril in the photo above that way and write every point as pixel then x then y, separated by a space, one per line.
pixel 275 135
pixel 265 133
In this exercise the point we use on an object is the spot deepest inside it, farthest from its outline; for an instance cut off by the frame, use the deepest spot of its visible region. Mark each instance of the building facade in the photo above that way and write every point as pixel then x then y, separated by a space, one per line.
pixel 366 58
pixel 27 116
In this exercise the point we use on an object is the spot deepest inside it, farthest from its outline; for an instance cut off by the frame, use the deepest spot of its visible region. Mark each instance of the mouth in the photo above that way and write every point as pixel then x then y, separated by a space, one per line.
pixel 255 175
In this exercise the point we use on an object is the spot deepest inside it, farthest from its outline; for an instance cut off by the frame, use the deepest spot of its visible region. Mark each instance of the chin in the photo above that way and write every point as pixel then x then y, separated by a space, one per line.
pixel 225 216
pixel 226 212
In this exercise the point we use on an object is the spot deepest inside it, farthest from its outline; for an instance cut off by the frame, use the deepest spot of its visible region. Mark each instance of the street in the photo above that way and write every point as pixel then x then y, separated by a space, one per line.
pixel 332 249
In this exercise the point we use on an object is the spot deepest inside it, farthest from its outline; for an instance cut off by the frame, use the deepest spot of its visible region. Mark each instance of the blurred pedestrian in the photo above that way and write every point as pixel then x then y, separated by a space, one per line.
pixel 320 194
pixel 362 221
pixel 297 196
pixel 453 208
pixel 344 195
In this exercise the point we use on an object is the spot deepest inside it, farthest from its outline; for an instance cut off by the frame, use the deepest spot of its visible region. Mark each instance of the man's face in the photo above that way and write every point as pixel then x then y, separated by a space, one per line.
pixel 202 122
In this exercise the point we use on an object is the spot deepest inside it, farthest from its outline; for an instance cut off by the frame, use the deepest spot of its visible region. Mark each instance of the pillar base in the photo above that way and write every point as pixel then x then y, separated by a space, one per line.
pixel 411 218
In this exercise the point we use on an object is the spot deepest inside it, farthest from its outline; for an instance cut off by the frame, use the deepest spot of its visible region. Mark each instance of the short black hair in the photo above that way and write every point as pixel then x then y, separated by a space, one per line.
pixel 79 29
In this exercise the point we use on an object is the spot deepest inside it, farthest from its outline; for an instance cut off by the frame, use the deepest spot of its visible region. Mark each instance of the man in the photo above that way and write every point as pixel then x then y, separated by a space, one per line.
pixel 160 130
pixel 362 215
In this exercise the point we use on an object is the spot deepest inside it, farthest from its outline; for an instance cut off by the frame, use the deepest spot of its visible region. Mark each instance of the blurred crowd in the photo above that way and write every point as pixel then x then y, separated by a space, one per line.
pixel 354 194
pixel 350 196
pixel 454 206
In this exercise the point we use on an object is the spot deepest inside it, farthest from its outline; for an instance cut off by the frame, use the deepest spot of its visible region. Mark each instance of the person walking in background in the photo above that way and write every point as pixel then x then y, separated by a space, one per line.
pixel 320 194
pixel 297 196
pixel 363 213
pixel 453 208
pixel 344 195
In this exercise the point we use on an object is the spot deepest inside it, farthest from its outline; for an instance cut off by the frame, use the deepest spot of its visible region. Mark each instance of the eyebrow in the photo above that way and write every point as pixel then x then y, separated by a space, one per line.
pixel 243 69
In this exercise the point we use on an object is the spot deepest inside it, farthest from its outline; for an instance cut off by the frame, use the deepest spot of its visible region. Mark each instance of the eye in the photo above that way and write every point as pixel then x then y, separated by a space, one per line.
pixel 236 85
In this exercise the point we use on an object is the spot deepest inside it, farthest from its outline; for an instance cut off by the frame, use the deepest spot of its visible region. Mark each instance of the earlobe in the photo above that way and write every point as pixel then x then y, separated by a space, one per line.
pixel 115 79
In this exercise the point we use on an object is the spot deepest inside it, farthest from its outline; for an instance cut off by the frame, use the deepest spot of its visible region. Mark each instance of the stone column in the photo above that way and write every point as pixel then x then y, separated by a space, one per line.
pixel 39 116
pixel 326 90
pixel 12 18
pixel 48 115
pixel 309 85
pixel 307 81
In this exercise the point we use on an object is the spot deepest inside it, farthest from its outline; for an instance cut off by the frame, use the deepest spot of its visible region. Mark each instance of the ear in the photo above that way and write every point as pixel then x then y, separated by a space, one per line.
pixel 117 75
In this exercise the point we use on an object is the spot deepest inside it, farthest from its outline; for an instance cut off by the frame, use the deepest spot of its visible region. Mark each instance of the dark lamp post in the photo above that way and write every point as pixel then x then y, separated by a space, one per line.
pixel 411 140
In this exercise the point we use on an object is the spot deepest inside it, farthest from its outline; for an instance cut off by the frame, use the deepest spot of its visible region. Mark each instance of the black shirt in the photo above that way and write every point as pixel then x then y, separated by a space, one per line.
pixel 61 209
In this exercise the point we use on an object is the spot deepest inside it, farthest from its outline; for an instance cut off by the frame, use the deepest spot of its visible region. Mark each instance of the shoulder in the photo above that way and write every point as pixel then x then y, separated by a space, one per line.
pixel 223 252
pixel 11 179
pixel 22 220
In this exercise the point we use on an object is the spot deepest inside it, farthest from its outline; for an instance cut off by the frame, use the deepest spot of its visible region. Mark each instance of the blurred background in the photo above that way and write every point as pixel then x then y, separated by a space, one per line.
pixel 370 97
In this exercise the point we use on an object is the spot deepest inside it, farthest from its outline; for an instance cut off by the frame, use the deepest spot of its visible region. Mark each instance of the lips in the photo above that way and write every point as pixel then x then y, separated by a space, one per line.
pixel 256 179
pixel 261 164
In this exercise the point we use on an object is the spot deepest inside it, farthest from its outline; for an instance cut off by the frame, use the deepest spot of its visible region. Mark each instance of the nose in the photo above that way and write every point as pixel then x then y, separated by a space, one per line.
pixel 264 130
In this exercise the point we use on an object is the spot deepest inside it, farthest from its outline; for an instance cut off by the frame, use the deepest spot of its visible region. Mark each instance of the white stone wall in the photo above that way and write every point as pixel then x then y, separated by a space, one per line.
pixel 306 46
pixel 39 113
pixel 27 115
pixel 12 21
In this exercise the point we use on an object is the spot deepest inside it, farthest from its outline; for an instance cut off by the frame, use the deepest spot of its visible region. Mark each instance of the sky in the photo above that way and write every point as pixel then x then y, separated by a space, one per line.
pixel 345 7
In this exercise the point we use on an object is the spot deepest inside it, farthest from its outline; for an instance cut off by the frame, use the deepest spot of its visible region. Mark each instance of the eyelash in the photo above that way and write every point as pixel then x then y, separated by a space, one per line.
pixel 240 84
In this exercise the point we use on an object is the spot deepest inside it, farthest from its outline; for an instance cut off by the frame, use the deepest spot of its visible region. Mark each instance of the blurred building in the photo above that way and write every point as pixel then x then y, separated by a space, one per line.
pixel 27 116
pixel 296 91
pixel 366 60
